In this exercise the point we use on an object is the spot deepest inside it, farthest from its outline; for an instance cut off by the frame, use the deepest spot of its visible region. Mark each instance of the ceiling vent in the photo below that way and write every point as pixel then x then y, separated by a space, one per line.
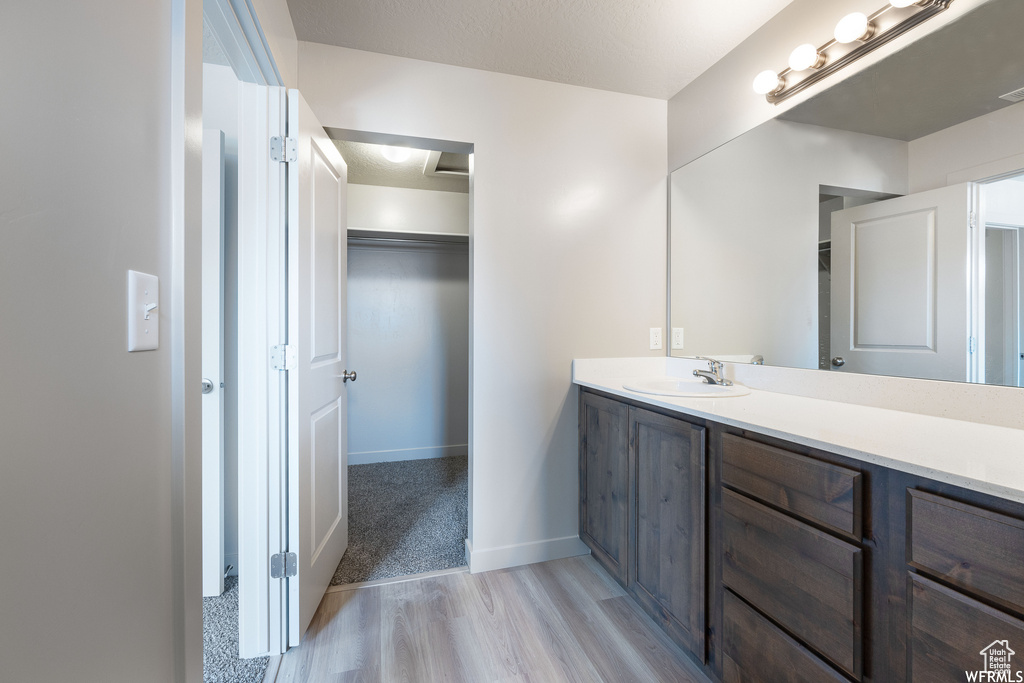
pixel 1015 96
pixel 448 164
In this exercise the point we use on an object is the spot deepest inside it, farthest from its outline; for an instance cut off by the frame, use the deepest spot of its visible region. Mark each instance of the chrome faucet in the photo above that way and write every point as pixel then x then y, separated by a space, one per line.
pixel 713 375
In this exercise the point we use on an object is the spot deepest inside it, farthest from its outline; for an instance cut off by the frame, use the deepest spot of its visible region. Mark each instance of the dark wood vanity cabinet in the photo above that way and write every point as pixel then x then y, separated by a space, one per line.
pixel 965 585
pixel 790 562
pixel 642 510
pixel 604 481
pixel 775 562
pixel 666 568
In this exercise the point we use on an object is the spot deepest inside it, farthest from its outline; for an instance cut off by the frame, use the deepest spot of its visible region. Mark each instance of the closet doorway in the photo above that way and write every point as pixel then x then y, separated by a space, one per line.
pixel 409 342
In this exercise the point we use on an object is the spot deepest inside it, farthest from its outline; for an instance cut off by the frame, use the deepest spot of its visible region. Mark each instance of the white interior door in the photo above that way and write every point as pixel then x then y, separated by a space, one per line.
pixel 317 406
pixel 213 362
pixel 901 268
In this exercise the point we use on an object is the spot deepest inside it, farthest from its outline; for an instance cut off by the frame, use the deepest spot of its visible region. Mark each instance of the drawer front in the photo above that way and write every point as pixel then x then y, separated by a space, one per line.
pixel 754 650
pixel 804 579
pixel 951 634
pixel 978 550
pixel 819 492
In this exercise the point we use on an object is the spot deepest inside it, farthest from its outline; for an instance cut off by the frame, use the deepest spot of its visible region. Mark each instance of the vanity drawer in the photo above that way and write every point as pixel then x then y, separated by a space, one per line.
pixel 755 650
pixel 819 492
pixel 804 579
pixel 977 550
pixel 949 632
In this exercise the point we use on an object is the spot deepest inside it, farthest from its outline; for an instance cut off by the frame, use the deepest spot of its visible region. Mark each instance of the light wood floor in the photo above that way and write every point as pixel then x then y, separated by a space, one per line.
pixel 565 620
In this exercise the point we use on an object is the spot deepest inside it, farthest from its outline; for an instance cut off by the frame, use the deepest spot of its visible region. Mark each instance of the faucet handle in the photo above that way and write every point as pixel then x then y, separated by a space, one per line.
pixel 716 366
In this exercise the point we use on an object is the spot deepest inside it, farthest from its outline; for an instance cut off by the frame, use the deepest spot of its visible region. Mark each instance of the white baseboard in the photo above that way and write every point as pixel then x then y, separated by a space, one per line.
pixel 487 559
pixel 367 457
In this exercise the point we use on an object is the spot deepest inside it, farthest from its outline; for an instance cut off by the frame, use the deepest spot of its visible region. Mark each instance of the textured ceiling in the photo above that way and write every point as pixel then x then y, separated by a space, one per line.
pixel 213 53
pixel 641 47
pixel 366 166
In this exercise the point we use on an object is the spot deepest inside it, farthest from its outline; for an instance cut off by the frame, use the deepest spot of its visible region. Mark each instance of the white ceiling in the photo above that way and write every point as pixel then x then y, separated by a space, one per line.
pixel 642 47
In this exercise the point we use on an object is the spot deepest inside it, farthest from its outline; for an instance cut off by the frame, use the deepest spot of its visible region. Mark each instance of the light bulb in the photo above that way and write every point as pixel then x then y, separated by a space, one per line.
pixel 854 27
pixel 767 82
pixel 805 57
pixel 395 154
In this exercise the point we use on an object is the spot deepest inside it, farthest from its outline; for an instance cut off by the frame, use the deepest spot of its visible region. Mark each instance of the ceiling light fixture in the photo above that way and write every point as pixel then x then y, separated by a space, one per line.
pixel 394 154
pixel 855 35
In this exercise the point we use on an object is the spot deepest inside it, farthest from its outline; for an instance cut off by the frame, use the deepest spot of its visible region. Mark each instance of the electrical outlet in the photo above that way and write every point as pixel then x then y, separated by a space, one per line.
pixel 677 337
pixel 655 337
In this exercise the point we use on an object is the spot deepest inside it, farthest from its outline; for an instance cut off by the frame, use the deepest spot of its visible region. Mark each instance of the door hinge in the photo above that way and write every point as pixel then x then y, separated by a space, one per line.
pixel 284 149
pixel 971 345
pixel 974 220
pixel 283 357
pixel 283 565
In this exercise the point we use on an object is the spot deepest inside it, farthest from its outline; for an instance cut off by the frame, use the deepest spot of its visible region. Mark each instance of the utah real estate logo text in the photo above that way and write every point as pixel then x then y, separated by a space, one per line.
pixel 996 667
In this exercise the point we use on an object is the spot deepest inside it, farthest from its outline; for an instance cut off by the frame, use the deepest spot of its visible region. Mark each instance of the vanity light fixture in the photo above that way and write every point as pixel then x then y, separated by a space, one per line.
pixel 856 35
pixel 768 82
pixel 854 28
pixel 805 57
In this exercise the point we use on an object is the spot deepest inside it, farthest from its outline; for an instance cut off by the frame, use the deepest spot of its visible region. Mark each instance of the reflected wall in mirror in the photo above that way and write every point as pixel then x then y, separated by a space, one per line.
pixel 839 236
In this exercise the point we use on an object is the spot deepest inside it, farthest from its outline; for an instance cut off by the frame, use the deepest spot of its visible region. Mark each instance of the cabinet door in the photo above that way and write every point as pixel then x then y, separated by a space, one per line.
pixel 667 536
pixel 604 481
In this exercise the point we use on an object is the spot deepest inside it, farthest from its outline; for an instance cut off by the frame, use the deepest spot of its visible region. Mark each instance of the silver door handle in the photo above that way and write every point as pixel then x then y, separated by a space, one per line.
pixel 838 361
pixel 207 386
pixel 346 376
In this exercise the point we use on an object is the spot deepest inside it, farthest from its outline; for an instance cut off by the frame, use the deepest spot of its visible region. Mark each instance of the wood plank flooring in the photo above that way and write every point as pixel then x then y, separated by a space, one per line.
pixel 565 620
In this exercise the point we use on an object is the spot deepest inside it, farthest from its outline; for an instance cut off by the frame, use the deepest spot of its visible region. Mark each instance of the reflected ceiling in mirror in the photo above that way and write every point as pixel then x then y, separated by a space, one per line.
pixel 755 266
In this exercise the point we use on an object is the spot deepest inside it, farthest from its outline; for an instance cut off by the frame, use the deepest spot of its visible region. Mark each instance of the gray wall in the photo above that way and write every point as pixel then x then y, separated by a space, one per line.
pixel 567 261
pixel 90 521
pixel 408 338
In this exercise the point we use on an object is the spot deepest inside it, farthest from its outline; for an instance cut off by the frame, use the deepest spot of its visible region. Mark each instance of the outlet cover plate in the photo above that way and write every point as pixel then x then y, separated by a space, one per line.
pixel 677 338
pixel 655 337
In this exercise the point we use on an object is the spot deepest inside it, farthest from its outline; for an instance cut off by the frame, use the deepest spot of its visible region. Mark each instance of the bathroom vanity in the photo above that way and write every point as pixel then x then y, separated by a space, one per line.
pixel 813 554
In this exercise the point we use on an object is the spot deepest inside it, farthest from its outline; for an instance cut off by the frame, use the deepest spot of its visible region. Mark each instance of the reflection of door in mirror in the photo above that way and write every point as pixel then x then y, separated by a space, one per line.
pixel 1002 321
pixel 830 200
pixel 900 292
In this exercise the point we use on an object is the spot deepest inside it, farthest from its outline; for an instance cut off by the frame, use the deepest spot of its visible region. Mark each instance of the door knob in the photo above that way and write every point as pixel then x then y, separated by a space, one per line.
pixel 346 376
pixel 207 386
pixel 838 361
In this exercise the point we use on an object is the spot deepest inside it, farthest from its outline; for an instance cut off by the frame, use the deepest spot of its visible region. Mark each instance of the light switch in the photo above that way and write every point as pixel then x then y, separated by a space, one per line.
pixel 677 337
pixel 143 311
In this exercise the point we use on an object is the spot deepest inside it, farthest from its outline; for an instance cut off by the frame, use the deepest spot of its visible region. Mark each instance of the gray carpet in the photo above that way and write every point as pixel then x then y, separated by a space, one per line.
pixel 405 518
pixel 220 641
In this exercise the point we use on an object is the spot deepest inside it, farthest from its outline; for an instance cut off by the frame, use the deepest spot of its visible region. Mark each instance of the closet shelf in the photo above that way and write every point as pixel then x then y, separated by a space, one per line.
pixel 407 236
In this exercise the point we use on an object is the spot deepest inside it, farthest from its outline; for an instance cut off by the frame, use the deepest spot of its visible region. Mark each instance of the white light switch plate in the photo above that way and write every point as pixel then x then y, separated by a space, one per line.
pixel 677 337
pixel 143 300
pixel 655 337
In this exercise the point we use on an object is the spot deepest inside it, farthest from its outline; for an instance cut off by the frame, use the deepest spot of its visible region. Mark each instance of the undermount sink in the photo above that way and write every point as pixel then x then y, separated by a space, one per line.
pixel 683 387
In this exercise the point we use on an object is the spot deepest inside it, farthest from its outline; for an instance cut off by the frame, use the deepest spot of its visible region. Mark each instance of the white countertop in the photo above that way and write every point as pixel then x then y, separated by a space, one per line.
pixel 980 457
